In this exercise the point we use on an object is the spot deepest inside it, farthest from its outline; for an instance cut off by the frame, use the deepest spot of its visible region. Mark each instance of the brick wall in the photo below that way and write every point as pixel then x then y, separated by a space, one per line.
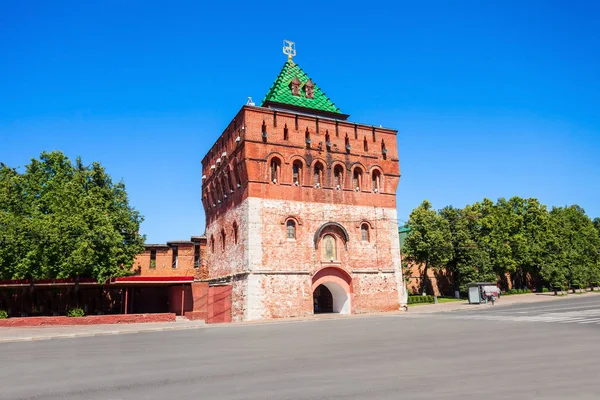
pixel 87 320
pixel 164 261
pixel 175 299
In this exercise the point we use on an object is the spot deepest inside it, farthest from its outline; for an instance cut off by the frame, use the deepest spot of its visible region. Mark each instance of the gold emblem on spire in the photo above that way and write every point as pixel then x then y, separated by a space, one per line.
pixel 289 48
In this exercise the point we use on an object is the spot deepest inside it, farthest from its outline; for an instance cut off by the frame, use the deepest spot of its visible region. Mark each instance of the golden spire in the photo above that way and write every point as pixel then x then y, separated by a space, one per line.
pixel 289 48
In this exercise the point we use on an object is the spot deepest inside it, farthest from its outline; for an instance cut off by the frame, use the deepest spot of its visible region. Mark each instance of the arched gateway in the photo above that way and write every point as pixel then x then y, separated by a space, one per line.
pixel 332 291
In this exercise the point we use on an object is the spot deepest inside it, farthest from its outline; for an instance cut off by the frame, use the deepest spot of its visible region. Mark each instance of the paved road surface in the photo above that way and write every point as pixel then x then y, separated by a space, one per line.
pixel 575 310
pixel 488 354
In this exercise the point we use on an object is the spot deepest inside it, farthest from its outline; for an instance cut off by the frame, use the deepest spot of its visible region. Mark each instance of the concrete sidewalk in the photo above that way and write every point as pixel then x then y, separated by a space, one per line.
pixel 24 334
pixel 65 332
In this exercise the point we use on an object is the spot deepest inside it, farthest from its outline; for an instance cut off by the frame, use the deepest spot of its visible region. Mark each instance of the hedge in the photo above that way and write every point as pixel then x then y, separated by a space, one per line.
pixel 420 299
pixel 75 312
pixel 518 291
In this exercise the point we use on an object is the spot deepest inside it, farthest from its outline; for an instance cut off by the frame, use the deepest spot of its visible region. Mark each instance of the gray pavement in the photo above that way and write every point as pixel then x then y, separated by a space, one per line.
pixel 412 356
pixel 26 334
pixel 575 309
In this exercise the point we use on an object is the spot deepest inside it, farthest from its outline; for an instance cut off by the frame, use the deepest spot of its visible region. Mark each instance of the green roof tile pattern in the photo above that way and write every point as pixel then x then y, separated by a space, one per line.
pixel 281 92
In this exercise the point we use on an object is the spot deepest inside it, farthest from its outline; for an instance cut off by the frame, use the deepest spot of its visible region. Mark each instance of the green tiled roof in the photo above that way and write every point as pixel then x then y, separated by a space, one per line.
pixel 281 92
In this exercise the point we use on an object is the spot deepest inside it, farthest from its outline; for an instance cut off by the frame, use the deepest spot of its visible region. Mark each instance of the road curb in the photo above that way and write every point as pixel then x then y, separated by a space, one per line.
pixel 97 334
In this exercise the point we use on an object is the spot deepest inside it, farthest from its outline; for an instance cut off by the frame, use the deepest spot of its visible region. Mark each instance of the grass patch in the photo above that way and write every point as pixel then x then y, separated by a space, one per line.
pixel 512 292
pixel 448 300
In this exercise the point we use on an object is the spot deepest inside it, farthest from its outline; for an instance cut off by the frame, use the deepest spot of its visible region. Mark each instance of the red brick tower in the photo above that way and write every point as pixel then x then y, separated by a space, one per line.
pixel 301 207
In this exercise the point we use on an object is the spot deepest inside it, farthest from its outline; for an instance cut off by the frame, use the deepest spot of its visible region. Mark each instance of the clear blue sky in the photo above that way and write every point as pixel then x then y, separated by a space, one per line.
pixel 490 98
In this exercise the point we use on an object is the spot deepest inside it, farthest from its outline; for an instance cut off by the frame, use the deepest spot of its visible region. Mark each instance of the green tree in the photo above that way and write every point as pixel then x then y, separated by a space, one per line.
pixel 429 241
pixel 60 220
pixel 470 261
pixel 577 245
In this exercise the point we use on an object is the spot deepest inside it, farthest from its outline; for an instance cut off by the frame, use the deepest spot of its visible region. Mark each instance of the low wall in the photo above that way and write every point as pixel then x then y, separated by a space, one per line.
pixel 87 320
pixel 196 315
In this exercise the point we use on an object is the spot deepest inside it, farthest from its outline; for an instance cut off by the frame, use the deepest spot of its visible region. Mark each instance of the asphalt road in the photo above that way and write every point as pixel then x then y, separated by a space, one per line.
pixel 458 355
pixel 576 309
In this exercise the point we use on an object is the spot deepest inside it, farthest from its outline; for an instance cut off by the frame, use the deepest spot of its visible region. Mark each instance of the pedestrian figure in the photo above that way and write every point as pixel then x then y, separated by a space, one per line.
pixel 493 298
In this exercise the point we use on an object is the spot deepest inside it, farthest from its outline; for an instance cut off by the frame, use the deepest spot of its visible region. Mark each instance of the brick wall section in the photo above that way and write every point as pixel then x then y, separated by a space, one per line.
pixel 219 304
pixel 229 257
pixel 174 293
pixel 87 320
pixel 164 261
pixel 239 300
pixel 202 270
pixel 285 296
pixel 375 292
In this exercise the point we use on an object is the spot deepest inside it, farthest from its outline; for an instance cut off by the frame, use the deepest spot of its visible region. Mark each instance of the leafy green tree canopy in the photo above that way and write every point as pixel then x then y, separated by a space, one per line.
pixel 429 241
pixel 63 220
pixel 516 239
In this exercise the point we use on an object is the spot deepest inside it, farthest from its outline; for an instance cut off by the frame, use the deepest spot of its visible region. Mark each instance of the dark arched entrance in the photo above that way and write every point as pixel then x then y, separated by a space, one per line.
pixel 322 300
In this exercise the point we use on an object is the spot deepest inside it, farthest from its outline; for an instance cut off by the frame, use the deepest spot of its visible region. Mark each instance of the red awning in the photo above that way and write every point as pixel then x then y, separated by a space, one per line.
pixel 126 280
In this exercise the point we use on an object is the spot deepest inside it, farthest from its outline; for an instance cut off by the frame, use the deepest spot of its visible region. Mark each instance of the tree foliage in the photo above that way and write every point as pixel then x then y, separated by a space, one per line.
pixel 516 239
pixel 63 220
pixel 428 242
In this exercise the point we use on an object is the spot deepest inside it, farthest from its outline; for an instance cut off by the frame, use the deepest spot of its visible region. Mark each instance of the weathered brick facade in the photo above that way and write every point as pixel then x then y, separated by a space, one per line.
pixel 158 259
pixel 295 199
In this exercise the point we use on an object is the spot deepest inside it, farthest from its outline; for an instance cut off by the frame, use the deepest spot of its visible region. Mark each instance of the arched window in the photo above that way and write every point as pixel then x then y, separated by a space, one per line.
pixel 297 173
pixel 211 200
pixel 285 133
pixel 291 229
pixel 275 169
pixel 307 137
pixel 235 232
pixel 216 192
pixel 328 248
pixel 327 140
pixel 318 175
pixel 231 180
pixel 376 181
pixel 212 244
pixel 338 177
pixel 225 185
pixel 223 237
pixel 364 232
pixel 357 179
pixel 236 171
pixel 366 144
pixel 222 194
